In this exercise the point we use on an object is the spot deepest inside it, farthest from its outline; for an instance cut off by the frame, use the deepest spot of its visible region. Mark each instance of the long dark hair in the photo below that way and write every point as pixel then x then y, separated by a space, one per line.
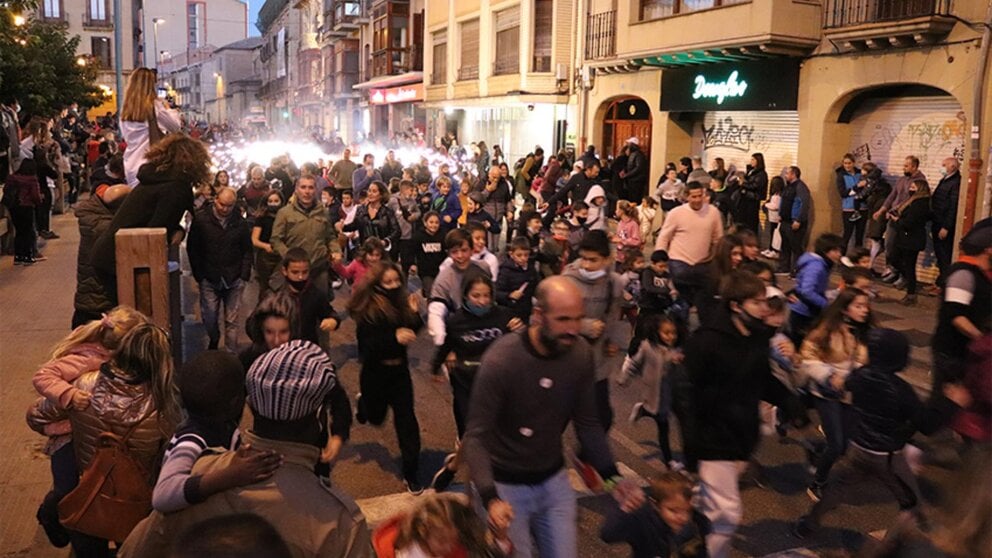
pixel 275 305
pixel 760 158
pixel 832 320
pixel 721 262
pixel 369 305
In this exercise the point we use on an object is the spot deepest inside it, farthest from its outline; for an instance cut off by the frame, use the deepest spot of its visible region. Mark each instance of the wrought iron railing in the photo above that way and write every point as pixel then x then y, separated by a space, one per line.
pixel 844 13
pixel 601 35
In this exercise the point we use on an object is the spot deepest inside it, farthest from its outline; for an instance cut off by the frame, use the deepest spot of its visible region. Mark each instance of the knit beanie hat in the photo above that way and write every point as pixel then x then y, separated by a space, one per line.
pixel 888 350
pixel 290 381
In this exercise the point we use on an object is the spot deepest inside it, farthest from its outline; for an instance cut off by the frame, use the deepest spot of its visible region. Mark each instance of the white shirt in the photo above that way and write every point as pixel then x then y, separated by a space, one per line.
pixel 136 136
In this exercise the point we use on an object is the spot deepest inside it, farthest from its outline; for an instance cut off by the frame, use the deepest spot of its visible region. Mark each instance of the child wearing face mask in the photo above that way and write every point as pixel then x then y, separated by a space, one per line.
pixel 666 525
pixel 316 315
pixel 470 331
pixel 266 260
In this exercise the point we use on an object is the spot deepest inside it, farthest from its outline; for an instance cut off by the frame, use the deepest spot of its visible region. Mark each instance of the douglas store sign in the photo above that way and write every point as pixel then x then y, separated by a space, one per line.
pixel 754 85
pixel 403 94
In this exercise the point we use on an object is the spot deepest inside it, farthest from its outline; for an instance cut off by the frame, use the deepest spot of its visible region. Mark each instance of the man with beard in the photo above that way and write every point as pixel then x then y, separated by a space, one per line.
pixel 529 387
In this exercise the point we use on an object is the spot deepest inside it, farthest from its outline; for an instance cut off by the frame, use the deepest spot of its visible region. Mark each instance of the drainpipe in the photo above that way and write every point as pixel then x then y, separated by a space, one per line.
pixel 975 162
pixel 581 19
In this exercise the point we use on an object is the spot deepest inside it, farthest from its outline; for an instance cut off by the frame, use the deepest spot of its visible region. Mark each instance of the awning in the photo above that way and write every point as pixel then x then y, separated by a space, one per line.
pixel 389 81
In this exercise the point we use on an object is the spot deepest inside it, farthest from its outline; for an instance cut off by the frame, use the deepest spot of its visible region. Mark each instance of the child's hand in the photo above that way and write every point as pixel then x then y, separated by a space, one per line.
pixel 250 465
pixel 330 324
pixel 336 257
pixel 80 400
pixel 486 224
pixel 628 495
pixel 611 349
pixel 519 293
pixel 677 357
pixel 516 324
pixel 837 382
pixel 405 336
pixel 414 301
pixel 958 394
pixel 413 270
pixel 332 449
pixel 447 218
pixel 627 296
pixel 597 328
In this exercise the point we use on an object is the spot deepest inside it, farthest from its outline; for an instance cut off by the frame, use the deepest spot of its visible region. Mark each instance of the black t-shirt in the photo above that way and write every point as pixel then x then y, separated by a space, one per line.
pixel 265 222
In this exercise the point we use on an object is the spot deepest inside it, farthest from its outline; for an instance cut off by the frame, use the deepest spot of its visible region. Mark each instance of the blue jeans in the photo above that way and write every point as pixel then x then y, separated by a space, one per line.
pixel 687 278
pixel 838 420
pixel 211 296
pixel 548 511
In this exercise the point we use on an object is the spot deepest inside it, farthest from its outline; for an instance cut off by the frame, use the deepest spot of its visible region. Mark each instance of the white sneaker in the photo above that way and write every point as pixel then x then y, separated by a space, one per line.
pixel 337 284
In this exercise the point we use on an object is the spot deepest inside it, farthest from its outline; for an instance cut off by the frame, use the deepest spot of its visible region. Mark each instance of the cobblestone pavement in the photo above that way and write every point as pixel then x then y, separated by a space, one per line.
pixel 36 306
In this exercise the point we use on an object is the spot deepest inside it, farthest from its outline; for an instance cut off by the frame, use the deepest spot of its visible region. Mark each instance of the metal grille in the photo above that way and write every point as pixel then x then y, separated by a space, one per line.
pixel 601 35
pixel 843 13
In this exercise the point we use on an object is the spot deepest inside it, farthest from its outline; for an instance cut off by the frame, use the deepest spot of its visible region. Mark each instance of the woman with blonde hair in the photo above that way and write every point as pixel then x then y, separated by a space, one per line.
pixel 175 166
pixel 131 395
pixel 439 525
pixel 142 107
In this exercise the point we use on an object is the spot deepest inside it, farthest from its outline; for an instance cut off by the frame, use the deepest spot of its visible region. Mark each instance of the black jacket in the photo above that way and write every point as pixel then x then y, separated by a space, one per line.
pixel 889 412
pixel 510 278
pixel 911 228
pixel 377 339
pixel 159 200
pixel 636 177
pixel 94 217
pixel 218 252
pixel 383 226
pixel 729 374
pixel 947 339
pixel 944 202
pixel 468 336
pixel 576 188
pixel 650 537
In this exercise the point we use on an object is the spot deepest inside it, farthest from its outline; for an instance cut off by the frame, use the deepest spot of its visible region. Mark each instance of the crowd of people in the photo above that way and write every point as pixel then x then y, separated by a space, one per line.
pixel 543 284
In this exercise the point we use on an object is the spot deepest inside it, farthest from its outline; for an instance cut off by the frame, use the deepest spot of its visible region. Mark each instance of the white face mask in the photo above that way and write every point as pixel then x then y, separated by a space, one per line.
pixel 943 171
pixel 592 275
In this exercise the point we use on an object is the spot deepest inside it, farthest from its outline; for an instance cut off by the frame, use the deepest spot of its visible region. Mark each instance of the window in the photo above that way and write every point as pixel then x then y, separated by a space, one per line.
pixel 51 9
pixel 97 10
pixel 543 28
pixel 469 63
pixel 654 9
pixel 507 41
pixel 439 72
pixel 100 49
pixel 196 24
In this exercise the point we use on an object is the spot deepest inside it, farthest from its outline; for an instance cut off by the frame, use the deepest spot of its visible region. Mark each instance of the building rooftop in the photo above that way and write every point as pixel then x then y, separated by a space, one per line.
pixel 250 43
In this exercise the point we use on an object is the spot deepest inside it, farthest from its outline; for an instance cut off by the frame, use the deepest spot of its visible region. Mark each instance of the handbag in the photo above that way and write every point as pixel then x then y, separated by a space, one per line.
pixel 155 133
pixel 113 494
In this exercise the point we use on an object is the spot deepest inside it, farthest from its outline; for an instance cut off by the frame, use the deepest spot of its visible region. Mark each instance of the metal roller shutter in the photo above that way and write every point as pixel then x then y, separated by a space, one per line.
pixel 735 135
pixel 885 131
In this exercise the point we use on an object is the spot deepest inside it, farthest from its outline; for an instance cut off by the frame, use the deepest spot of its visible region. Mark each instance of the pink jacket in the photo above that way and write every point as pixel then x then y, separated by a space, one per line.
pixel 354 272
pixel 628 236
pixel 54 379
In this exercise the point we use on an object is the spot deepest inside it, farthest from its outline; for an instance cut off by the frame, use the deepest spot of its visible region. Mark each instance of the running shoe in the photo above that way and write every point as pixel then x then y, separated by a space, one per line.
pixel 815 491
pixel 637 412
pixel 443 477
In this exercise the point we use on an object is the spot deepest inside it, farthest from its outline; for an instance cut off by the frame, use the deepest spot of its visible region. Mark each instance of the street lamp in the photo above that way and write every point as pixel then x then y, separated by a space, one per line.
pixel 19 20
pixel 155 22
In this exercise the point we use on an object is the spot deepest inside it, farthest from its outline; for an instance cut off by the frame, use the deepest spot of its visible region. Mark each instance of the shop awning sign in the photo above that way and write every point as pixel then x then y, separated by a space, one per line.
pixel 747 85
pixel 401 94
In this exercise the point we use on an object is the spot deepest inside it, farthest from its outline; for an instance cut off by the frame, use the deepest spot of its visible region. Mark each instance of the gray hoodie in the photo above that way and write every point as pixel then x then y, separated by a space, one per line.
pixel 602 298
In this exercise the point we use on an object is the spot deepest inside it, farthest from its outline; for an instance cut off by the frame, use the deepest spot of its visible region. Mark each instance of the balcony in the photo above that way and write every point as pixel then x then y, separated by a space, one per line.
pixel 601 35
pixel 860 25
pixel 349 15
pixel 100 24
pixel 759 29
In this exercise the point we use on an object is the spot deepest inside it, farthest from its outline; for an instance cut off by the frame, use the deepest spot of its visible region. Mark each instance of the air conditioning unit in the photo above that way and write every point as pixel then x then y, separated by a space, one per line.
pixel 561 72
pixel 587 74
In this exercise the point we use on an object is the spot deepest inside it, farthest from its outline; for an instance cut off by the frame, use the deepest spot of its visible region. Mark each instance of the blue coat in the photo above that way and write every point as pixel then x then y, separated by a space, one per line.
pixel 812 279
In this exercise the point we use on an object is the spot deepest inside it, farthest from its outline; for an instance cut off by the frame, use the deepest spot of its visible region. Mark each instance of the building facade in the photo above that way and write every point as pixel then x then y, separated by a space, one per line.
pixel 339 39
pixel 279 23
pixel 232 75
pixel 173 27
pixel 501 72
pixel 802 82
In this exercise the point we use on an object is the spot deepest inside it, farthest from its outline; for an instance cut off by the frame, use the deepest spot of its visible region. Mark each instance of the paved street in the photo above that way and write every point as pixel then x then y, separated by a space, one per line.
pixel 36 305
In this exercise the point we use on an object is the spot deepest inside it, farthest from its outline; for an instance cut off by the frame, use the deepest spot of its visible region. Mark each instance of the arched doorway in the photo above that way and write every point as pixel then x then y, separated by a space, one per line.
pixel 623 118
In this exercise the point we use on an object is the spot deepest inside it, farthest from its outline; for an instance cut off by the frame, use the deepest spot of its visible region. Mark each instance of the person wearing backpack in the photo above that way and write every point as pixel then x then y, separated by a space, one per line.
pixel 133 399
pixel 10 153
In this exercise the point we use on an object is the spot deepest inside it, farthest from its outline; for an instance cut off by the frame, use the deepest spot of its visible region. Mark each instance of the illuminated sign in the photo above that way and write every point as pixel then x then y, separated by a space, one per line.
pixel 721 89
pixel 746 85
pixel 402 94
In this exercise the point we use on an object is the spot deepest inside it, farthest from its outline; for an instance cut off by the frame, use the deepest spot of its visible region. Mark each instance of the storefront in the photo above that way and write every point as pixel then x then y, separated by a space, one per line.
pixel 396 110
pixel 737 109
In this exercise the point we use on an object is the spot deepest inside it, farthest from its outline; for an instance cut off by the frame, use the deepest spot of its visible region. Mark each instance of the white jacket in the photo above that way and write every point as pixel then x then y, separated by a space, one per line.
pixel 136 136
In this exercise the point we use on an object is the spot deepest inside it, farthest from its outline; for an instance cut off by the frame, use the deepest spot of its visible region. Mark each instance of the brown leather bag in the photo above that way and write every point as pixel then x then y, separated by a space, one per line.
pixel 113 494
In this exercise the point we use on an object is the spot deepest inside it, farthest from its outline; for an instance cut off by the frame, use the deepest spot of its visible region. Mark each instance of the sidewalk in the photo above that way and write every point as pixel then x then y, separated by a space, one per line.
pixel 36 302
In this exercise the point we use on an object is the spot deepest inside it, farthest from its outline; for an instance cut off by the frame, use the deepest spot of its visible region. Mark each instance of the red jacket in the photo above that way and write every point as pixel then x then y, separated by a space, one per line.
pixel 975 422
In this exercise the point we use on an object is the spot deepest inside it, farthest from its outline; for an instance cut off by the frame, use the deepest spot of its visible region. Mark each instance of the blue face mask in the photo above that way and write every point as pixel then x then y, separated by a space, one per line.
pixel 477 310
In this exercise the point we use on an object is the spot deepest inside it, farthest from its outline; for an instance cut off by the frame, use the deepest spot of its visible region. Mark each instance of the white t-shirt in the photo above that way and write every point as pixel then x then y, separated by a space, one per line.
pixel 135 134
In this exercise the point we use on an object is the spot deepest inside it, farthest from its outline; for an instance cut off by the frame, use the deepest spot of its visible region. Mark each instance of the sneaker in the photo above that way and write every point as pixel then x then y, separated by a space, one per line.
pixel 767 253
pixel 413 487
pixel 899 284
pixel 890 278
pixel 360 410
pixel 443 477
pixel 856 217
pixel 801 529
pixel 39 258
pixel 815 491
pixel 590 477
pixel 846 261
pixel 637 412
pixel 24 261
pixel 52 235
pixel 337 284
pixel 908 300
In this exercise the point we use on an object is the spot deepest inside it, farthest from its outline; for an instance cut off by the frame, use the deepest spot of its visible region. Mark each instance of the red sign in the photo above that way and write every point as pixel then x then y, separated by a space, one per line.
pixel 402 94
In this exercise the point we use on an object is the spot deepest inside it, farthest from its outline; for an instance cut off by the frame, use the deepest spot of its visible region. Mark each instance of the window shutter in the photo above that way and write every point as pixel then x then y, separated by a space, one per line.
pixel 508 19
pixel 470 44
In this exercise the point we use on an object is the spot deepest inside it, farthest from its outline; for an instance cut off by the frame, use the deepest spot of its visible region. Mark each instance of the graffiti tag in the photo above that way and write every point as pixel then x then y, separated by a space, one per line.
pixel 727 133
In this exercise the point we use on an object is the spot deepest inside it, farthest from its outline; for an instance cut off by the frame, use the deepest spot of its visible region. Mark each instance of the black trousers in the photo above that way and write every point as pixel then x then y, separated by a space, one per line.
pixel 43 212
pixel 905 264
pixel 793 246
pixel 853 228
pixel 384 387
pixel 461 390
pixel 943 250
pixel 25 234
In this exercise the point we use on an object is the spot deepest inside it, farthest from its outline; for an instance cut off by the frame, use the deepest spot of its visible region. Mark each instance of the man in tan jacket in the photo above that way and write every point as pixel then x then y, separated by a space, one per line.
pixel 286 387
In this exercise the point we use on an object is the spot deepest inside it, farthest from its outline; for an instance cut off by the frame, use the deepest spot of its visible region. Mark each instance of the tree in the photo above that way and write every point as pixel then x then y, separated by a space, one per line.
pixel 39 65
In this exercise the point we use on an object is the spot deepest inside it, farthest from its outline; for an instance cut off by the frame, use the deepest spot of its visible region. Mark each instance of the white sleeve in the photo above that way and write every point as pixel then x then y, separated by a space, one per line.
pixel 436 313
pixel 168 119
pixel 170 490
